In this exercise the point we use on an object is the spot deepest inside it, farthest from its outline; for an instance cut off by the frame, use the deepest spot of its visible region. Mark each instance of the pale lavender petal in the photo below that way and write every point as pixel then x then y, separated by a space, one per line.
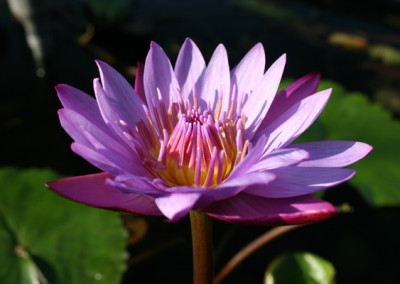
pixel 136 184
pixel 176 205
pixel 216 81
pixel 295 181
pixel 333 153
pixel 115 119
pixel 139 86
pixel 96 159
pixel 293 122
pixel 80 102
pixel 131 163
pixel 94 191
pixel 74 124
pixel 254 210
pixel 280 158
pixel 249 160
pixel 121 93
pixel 247 74
pixel 160 84
pixel 189 69
pixel 236 185
pixel 291 95
pixel 256 106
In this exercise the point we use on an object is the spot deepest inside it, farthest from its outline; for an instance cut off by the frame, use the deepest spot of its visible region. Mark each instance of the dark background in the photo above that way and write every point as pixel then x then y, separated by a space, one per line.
pixel 336 38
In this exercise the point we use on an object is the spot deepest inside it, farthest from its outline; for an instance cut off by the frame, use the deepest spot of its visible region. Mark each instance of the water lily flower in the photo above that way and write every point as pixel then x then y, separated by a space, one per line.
pixel 204 137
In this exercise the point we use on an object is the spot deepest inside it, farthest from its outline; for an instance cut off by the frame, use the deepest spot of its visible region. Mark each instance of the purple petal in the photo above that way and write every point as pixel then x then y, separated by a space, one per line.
pixel 130 164
pixel 236 185
pixel 121 93
pixel 333 153
pixel 160 84
pixel 291 95
pixel 96 159
pixel 176 205
pixel 110 110
pixel 249 160
pixel 247 74
pixel 296 181
pixel 75 124
pixel 189 69
pixel 79 102
pixel 253 210
pixel 256 105
pixel 139 86
pixel 293 122
pixel 280 158
pixel 216 81
pixel 136 184
pixel 94 191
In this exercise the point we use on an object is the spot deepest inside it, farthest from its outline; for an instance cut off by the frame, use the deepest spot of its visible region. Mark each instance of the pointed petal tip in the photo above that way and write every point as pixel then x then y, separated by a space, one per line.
pixel 154 45
pixel 315 74
pixel 177 205
pixel 220 48
pixel 188 40
pixel 101 64
pixel 59 87
pixel 96 83
pixel 259 46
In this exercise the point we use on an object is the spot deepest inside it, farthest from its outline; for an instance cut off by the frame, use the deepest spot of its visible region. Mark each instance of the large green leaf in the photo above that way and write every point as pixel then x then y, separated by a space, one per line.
pixel 299 268
pixel 47 239
pixel 351 116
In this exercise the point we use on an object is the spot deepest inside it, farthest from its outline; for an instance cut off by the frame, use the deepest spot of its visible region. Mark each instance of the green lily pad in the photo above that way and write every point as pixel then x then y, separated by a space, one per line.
pixel 47 239
pixel 351 116
pixel 299 268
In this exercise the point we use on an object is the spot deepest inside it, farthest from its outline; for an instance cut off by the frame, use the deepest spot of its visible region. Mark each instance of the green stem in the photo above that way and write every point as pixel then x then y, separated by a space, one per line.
pixel 202 248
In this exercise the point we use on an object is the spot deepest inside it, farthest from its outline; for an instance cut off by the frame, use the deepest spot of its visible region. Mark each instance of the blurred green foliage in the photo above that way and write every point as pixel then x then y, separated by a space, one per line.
pixel 110 11
pixel 299 268
pixel 388 54
pixel 48 239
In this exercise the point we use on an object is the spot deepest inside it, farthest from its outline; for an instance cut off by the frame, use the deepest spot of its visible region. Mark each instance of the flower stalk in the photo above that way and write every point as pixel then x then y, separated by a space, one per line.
pixel 202 248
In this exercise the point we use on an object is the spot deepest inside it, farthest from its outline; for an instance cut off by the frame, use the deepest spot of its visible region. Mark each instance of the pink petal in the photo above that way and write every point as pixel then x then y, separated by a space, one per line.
pixel 94 191
pixel 216 81
pixel 189 69
pixel 280 158
pixel 296 181
pixel 121 93
pixel 176 205
pixel 253 210
pixel 160 84
pixel 293 122
pixel 247 74
pixel 256 105
pixel 291 95
pixel 333 153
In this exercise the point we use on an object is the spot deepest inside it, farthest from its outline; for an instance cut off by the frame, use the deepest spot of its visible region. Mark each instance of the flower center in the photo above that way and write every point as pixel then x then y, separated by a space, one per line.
pixel 200 151
pixel 198 148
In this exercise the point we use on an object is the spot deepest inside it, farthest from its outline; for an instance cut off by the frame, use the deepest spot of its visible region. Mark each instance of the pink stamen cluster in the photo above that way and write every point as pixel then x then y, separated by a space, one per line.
pixel 197 148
